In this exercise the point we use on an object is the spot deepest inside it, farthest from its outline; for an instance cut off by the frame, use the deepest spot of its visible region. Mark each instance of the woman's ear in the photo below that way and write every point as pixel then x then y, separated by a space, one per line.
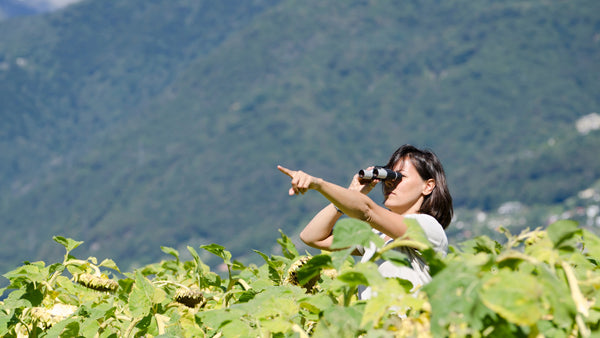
pixel 429 186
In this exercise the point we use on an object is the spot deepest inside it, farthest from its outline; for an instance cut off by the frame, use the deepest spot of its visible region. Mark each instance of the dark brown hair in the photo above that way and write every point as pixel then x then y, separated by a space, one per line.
pixel 439 203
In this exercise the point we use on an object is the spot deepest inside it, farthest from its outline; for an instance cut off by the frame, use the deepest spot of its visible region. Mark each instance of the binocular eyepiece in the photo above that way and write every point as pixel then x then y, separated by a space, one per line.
pixel 379 173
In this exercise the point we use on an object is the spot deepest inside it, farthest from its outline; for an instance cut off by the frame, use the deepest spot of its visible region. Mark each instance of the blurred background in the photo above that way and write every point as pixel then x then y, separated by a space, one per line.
pixel 136 124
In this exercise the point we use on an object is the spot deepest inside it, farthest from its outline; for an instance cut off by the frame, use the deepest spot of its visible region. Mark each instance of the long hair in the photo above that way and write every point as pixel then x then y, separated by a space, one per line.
pixel 439 203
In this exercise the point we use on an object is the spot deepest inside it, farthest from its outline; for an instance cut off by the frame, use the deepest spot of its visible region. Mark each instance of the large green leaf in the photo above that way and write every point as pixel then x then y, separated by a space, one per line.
pixel 349 232
pixel 515 296
pixel 142 296
pixel 217 318
pixel 453 295
pixel 340 321
pixel 555 299
pixel 562 233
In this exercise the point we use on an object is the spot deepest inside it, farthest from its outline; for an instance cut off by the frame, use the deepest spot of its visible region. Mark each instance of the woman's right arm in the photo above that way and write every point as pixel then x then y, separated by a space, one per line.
pixel 318 233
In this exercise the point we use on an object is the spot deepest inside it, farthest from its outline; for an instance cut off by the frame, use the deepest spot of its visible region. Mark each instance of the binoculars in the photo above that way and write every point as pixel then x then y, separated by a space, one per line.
pixel 379 173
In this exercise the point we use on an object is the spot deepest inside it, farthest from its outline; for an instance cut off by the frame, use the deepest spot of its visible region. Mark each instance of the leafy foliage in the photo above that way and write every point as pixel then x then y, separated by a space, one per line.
pixel 539 283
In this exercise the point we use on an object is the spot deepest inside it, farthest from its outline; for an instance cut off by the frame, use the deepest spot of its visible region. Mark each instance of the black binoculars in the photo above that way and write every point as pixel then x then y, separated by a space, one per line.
pixel 379 173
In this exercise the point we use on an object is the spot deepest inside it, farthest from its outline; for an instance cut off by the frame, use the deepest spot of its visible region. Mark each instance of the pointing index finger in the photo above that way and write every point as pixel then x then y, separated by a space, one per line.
pixel 286 171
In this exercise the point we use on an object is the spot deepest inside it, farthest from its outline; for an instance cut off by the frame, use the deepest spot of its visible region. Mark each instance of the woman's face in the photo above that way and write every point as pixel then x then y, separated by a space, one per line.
pixel 407 195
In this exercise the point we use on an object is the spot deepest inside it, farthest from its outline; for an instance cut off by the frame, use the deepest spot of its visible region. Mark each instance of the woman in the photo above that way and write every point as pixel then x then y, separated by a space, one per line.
pixel 420 194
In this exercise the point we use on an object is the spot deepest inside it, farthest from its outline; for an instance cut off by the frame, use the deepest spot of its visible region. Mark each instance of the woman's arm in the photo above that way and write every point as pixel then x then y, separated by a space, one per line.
pixel 360 206
pixel 353 201
pixel 318 232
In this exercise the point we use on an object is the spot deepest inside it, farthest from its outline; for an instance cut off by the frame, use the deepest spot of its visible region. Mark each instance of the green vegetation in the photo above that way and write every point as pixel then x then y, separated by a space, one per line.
pixel 538 283
pixel 133 124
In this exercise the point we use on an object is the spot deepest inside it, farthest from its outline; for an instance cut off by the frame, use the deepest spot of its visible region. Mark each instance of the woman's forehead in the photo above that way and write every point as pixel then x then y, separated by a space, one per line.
pixel 403 163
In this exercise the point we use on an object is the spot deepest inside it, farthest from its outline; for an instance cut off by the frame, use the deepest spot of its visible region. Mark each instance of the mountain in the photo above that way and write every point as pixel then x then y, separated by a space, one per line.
pixel 10 8
pixel 133 124
pixel 16 8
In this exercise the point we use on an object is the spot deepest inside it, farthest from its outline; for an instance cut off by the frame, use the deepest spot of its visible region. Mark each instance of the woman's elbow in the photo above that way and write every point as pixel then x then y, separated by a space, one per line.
pixel 315 241
pixel 303 237
pixel 307 238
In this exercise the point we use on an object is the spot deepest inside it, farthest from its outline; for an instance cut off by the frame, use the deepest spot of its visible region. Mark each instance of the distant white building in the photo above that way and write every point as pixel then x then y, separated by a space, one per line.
pixel 588 123
pixel 510 208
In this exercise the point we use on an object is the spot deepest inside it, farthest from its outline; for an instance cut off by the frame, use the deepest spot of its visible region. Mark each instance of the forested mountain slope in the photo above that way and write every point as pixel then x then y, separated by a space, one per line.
pixel 133 124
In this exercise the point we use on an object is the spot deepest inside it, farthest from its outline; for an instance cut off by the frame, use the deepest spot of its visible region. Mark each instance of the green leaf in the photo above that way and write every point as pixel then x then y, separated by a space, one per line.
pixel 219 251
pixel 4 320
pixel 562 234
pixel 237 265
pixel 512 258
pixel 218 318
pixel 592 244
pixel 396 257
pixel 275 302
pixel 543 250
pixel 17 299
pixel 387 294
pixel 353 278
pixel 238 328
pixel 194 254
pixel 89 328
pixel 317 303
pixel 515 296
pixel 362 274
pixel 415 232
pixel 32 272
pixel 340 321
pixel 276 325
pixel 141 297
pixel 481 244
pixel 338 258
pixel 554 298
pixel 66 328
pixel 170 251
pixel 350 232
pixel 68 243
pixel 287 246
pixel 275 267
pixel 313 268
pixel 434 260
pixel 109 263
pixel 247 296
pixel 454 297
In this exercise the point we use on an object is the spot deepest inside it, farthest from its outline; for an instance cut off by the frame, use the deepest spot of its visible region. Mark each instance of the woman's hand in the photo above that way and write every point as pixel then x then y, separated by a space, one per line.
pixel 301 181
pixel 362 185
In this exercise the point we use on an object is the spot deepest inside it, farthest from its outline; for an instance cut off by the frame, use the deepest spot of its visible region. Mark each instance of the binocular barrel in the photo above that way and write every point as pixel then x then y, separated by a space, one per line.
pixel 379 173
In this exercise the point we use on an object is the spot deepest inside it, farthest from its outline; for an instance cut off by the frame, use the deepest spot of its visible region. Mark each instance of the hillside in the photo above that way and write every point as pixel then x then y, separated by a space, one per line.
pixel 10 8
pixel 131 125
